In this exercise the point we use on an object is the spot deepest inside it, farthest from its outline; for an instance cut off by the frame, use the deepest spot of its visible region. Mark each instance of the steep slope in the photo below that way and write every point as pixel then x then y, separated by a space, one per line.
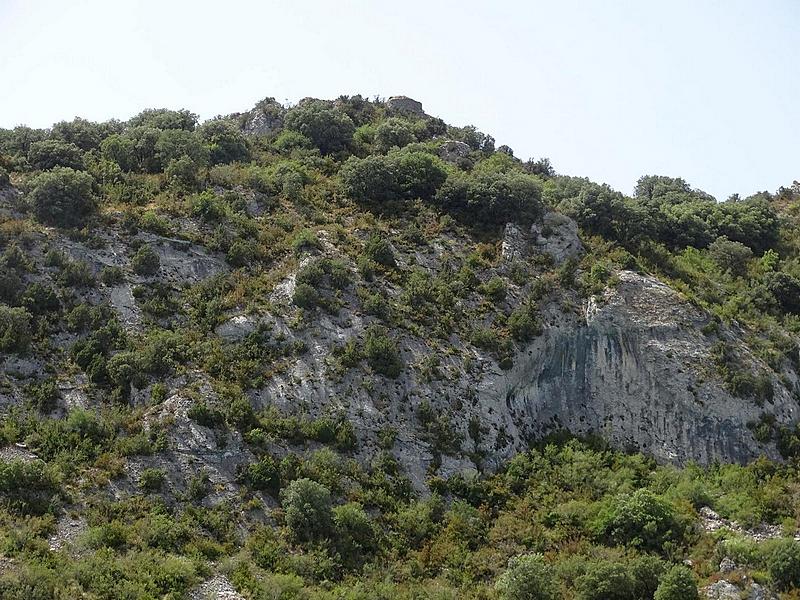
pixel 295 345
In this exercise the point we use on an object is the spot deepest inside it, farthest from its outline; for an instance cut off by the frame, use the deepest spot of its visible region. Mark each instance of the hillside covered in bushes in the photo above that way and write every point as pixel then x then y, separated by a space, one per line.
pixel 344 350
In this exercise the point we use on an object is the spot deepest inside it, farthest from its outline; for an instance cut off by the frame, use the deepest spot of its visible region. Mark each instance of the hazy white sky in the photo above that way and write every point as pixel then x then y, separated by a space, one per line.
pixel 610 89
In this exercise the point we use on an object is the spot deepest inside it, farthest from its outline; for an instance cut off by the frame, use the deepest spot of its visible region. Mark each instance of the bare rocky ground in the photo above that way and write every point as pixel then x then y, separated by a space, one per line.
pixel 216 588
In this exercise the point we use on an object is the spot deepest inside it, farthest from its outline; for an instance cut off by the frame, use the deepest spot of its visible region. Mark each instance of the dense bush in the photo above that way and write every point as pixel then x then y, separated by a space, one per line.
pixel 330 129
pixel 145 261
pixel 784 564
pixel 394 132
pixel 15 332
pixel 730 256
pixel 379 250
pixel 307 509
pixel 397 176
pixel 163 118
pixel 492 198
pixel 677 584
pixel 606 581
pixel 641 519
pixel 62 197
pixel 226 142
pixel 381 352
pixel 528 577
pixel 47 154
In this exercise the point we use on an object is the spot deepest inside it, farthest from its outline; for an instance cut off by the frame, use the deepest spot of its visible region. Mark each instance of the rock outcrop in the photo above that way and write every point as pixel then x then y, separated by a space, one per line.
pixel 405 104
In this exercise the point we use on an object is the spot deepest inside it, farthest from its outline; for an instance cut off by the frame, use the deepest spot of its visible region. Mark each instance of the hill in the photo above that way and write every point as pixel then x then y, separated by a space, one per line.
pixel 343 349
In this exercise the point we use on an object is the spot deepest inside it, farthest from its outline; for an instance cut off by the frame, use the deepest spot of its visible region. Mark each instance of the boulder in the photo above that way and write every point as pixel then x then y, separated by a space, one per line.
pixel 454 151
pixel 405 104
pixel 722 590
pixel 558 237
pixel 727 565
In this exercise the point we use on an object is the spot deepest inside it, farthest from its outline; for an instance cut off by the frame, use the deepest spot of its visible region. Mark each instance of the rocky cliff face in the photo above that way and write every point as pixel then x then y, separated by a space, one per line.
pixel 637 371
pixel 631 364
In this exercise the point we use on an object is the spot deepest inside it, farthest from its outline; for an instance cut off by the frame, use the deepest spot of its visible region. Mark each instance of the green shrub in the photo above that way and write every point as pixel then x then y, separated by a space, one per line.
pixel 677 584
pixel 606 581
pixel 378 250
pixel 43 394
pixel 208 207
pixel 10 285
pixel 145 261
pixel 264 475
pixel 205 415
pixel 62 197
pixel 307 510
pixel 27 487
pixel 152 480
pixel 40 299
pixel 784 564
pixel 640 519
pixel 355 534
pixel 381 352
pixel 150 221
pixel 330 130
pixel 242 253
pixel 495 289
pixel 730 256
pixel 305 296
pixel 77 273
pixel 394 132
pixel 15 329
pixel 46 154
pixel 523 322
pixel 305 240
pixel 398 176
pixel 112 275
pixel 527 577
pixel 225 141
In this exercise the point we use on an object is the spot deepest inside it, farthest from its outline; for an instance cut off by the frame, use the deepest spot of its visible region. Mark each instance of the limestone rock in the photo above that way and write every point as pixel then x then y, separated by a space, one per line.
pixel 216 588
pixel 453 151
pixel 237 328
pixel 759 592
pixel 405 104
pixel 722 590
pixel 556 235
pixel 727 565
pixel 265 119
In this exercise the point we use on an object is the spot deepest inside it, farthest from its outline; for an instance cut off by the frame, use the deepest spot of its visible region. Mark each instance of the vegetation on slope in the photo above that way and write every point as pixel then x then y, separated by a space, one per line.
pixel 350 197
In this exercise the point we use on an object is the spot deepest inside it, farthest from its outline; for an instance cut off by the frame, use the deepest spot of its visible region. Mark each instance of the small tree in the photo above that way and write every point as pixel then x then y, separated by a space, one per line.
pixel 330 129
pixel 784 564
pixel 641 519
pixel 307 509
pixel 369 179
pixel 730 256
pixel 528 577
pixel 394 132
pixel 355 533
pixel 678 584
pixel 606 581
pixel 225 141
pixel 381 352
pixel 62 197
pixel 378 250
pixel 15 332
pixel 55 153
pixel 145 261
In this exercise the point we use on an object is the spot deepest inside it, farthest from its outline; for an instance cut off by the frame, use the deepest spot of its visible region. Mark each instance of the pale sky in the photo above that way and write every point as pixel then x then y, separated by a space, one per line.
pixel 708 90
